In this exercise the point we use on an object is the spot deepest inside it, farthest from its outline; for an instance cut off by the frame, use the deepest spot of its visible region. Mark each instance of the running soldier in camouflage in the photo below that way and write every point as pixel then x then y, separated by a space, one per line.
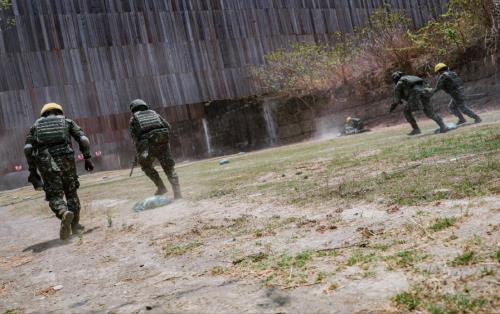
pixel 151 135
pixel 413 91
pixel 48 148
pixel 451 84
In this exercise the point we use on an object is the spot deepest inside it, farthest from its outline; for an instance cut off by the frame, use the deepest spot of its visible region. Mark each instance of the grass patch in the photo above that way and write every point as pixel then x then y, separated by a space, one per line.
pixel 408 300
pixel 359 258
pixel 467 258
pixel 443 223
pixel 182 249
pixel 406 258
pixel 419 298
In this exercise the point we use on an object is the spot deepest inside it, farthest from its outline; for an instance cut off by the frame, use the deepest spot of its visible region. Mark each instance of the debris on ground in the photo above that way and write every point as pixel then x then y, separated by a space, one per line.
pixel 152 202
pixel 224 162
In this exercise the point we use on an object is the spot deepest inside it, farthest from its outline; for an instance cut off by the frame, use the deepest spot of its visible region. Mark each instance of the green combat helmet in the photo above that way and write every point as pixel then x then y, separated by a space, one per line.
pixel 138 104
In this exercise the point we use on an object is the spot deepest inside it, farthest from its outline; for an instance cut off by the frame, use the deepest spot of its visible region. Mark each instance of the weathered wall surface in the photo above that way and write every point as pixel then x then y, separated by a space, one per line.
pixel 94 56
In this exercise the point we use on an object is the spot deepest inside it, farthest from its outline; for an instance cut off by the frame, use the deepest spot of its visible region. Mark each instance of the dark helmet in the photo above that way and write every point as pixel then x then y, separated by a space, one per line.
pixel 396 76
pixel 138 104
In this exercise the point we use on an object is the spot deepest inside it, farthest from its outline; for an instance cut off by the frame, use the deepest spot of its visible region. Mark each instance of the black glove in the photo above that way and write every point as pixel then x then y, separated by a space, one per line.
pixel 89 166
pixel 35 179
pixel 393 107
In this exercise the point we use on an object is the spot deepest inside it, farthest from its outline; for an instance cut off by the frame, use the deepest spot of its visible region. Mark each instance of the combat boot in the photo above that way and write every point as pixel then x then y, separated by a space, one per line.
pixel 174 181
pixel 478 120
pixel 461 121
pixel 66 220
pixel 177 191
pixel 161 189
pixel 415 132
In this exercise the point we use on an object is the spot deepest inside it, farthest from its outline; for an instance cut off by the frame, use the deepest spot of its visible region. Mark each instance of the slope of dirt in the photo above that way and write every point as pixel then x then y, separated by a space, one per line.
pixel 302 228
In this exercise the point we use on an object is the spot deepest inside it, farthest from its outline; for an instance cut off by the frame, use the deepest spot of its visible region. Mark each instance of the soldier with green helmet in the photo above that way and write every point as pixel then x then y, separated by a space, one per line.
pixel 416 95
pixel 451 84
pixel 48 149
pixel 151 136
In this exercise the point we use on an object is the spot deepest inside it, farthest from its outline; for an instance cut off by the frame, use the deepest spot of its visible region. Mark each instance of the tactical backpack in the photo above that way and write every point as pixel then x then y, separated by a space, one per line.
pixel 147 121
pixel 52 131
pixel 411 80
pixel 452 82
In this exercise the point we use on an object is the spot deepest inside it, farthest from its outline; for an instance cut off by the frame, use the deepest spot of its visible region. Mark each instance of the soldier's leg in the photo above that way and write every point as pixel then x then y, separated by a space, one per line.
pixel 452 107
pixel 71 185
pixel 54 194
pixel 430 113
pixel 462 107
pixel 146 162
pixel 168 164
pixel 408 113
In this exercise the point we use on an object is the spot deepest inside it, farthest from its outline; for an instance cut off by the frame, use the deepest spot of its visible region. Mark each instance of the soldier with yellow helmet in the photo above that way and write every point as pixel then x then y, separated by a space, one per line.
pixel 353 126
pixel 48 149
pixel 451 84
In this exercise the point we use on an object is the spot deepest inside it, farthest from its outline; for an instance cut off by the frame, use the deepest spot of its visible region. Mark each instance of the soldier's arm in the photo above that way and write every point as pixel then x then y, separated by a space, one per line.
pixel 29 148
pixel 80 137
pixel 398 93
pixel 167 125
pixel 439 84
pixel 132 129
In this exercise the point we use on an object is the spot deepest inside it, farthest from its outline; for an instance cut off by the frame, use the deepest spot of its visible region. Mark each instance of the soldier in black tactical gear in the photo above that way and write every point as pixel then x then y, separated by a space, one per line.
pixel 451 84
pixel 48 148
pixel 151 135
pixel 413 91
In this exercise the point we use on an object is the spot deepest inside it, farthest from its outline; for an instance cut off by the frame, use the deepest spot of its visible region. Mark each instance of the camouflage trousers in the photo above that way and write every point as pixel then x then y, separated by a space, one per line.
pixel 458 107
pixel 148 153
pixel 419 99
pixel 60 180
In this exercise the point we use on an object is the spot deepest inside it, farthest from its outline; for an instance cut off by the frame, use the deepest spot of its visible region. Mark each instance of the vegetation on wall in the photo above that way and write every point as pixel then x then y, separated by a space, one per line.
pixel 467 29
pixel 6 18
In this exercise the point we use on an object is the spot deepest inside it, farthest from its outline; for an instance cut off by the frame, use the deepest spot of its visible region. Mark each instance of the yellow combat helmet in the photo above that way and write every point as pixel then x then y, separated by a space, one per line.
pixel 51 106
pixel 349 119
pixel 439 67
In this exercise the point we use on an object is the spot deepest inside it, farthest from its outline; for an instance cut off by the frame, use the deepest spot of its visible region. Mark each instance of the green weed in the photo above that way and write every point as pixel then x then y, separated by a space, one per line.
pixel 409 300
pixel 467 258
pixel 180 249
pixel 443 223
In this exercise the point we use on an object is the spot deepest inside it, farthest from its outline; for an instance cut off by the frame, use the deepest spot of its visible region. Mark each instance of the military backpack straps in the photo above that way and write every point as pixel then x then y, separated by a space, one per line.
pixel 52 131
pixel 148 120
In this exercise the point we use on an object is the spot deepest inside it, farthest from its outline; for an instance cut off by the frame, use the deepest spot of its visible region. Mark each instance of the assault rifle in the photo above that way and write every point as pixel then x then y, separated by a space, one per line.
pixel 134 163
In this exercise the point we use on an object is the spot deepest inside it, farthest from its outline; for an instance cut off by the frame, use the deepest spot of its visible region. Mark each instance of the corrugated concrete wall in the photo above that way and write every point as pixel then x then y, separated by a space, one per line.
pixel 94 56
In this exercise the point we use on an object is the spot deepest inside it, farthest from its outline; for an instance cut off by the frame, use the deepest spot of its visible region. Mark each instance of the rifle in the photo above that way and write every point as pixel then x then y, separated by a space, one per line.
pixel 134 163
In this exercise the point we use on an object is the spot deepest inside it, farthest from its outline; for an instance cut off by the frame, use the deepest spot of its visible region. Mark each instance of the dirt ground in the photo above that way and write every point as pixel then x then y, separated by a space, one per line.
pixel 225 250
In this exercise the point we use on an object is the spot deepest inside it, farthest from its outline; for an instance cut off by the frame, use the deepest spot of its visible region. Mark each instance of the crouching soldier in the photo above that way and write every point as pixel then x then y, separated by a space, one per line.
pixel 451 84
pixel 48 148
pixel 151 135
pixel 354 126
pixel 413 91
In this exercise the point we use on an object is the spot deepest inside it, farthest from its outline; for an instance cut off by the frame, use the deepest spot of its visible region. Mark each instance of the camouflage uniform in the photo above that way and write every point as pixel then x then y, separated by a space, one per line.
pixel 413 91
pixel 48 148
pixel 151 135
pixel 356 124
pixel 451 84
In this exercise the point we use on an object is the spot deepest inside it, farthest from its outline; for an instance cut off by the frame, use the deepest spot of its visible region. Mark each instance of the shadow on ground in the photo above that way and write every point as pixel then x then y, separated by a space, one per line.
pixel 43 246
